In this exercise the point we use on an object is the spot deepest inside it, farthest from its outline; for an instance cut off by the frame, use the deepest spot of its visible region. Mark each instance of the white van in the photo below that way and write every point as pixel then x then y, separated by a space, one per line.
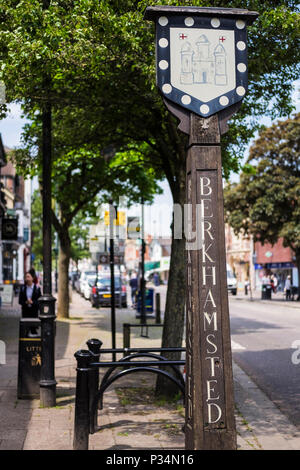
pixel 231 280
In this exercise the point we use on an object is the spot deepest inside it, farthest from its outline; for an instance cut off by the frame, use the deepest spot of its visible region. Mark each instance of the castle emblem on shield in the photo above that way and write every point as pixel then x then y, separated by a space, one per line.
pixel 203 62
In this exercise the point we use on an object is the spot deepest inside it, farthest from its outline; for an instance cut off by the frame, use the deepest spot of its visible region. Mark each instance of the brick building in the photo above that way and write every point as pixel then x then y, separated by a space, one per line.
pixel 277 260
pixel 250 261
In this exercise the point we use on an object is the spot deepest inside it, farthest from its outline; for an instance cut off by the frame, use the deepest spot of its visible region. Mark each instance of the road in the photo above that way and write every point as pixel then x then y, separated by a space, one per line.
pixel 262 338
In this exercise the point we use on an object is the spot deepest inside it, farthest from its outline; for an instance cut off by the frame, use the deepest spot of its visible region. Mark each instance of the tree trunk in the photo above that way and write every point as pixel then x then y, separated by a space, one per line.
pixel 63 277
pixel 175 303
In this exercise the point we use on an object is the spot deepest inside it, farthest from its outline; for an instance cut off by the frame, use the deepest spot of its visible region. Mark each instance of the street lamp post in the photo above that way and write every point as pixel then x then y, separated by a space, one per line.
pixel 112 216
pixel 47 301
pixel 143 307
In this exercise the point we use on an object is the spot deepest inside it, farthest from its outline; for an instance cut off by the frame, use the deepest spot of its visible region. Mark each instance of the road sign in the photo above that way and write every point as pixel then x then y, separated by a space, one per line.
pixel 120 220
pixel 10 229
pixel 104 258
pixel 202 75
pixel 120 247
pixel 133 227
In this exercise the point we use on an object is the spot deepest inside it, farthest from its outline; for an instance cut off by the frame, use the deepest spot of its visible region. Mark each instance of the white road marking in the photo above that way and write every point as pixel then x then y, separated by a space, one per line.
pixel 235 345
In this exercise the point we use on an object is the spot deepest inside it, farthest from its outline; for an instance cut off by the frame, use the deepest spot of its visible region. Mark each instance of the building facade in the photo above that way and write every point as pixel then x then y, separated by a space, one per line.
pixel 239 256
pixel 15 249
pixel 276 259
pixel 252 261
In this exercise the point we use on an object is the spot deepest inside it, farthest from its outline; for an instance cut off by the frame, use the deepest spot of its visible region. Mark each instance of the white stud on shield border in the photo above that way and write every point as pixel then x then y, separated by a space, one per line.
pixel 241 67
pixel 240 90
pixel 189 21
pixel 204 109
pixel 163 42
pixel 223 100
pixel 215 22
pixel 163 21
pixel 241 45
pixel 163 64
pixel 167 88
pixel 186 99
pixel 240 24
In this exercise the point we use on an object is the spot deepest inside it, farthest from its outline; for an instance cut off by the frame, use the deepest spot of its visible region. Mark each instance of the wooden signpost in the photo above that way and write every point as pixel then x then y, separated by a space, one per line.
pixel 202 75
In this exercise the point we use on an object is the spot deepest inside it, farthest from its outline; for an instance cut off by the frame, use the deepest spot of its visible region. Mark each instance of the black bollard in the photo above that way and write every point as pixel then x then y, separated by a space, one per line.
pixel 94 346
pixel 126 337
pixel 157 308
pixel 81 420
pixel 47 382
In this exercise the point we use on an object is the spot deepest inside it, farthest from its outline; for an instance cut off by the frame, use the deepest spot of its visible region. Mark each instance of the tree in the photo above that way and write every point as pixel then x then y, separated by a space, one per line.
pixel 100 56
pixel 82 179
pixel 266 201
pixel 271 72
pixel 79 231
pixel 79 234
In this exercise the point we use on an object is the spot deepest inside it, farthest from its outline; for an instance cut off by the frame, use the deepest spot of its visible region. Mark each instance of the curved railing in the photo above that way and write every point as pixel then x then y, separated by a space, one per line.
pixel 89 393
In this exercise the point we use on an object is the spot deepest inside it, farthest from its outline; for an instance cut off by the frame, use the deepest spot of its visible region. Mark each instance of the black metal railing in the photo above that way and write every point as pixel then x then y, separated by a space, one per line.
pixel 89 393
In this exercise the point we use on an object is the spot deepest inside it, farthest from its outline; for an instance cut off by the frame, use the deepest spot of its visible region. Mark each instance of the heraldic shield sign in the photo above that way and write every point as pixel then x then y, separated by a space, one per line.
pixel 201 56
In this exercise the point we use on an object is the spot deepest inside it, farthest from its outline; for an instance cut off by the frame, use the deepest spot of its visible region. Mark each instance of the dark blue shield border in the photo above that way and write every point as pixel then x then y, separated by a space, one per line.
pixel 163 53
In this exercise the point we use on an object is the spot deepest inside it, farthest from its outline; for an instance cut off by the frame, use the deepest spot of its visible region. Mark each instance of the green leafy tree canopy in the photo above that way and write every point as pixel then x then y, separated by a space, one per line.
pixel 266 201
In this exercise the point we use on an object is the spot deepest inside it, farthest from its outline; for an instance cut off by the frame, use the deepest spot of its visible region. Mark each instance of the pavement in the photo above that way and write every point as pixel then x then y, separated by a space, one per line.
pixel 132 419
pixel 278 299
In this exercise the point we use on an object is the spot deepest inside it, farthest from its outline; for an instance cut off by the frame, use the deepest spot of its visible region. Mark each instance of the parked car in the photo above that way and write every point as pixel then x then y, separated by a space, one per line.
pixel 101 294
pixel 87 286
pixel 83 280
pixel 231 281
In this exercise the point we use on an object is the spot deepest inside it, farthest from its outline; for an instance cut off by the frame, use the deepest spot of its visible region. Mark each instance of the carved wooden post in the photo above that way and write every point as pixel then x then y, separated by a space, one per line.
pixel 210 421
pixel 201 58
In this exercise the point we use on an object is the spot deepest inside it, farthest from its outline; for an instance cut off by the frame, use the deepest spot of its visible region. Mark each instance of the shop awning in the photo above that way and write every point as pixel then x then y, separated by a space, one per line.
pixel 151 265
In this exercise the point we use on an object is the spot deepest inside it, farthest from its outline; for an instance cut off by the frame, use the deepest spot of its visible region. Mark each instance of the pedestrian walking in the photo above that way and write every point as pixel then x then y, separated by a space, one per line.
pixel 156 279
pixel 28 299
pixel 134 285
pixel 275 283
pixel 272 283
pixel 287 288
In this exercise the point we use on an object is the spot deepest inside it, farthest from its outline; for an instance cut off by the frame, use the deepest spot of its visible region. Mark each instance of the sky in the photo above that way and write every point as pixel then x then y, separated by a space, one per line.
pixel 158 216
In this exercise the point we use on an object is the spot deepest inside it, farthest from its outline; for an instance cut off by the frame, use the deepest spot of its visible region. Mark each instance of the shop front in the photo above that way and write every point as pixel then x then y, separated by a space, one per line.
pixel 280 270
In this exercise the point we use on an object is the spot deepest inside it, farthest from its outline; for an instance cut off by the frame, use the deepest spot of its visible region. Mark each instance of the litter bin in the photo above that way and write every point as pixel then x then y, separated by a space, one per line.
pixel 30 358
pixel 266 292
pixel 149 296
